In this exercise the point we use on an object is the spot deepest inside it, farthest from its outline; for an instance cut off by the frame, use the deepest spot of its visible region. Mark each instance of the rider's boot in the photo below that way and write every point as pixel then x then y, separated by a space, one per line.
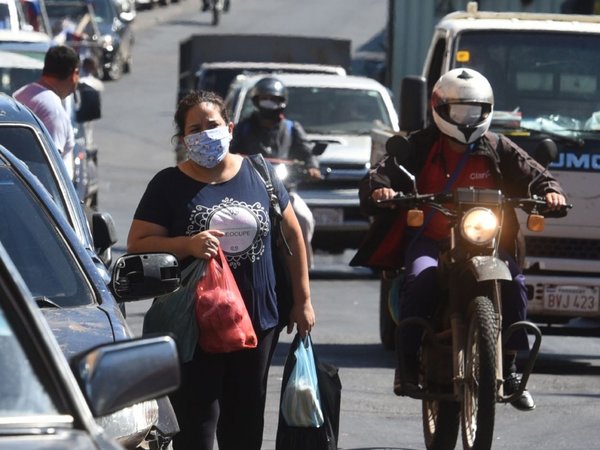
pixel 226 5
pixel 205 5
pixel 512 382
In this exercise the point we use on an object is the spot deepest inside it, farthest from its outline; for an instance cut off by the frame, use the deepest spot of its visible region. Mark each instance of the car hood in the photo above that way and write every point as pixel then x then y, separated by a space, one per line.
pixel 344 149
pixel 78 329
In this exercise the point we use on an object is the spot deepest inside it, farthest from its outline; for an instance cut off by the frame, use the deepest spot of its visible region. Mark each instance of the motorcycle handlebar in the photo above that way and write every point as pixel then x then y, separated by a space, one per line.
pixel 527 204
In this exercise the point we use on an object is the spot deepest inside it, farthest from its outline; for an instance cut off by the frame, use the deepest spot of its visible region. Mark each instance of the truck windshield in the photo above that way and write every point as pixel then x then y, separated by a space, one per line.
pixel 546 81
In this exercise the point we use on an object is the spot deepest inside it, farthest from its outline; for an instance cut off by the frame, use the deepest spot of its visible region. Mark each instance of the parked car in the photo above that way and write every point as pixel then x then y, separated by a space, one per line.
pixel 340 111
pixel 43 403
pixel 98 28
pixel 79 303
pixel 25 135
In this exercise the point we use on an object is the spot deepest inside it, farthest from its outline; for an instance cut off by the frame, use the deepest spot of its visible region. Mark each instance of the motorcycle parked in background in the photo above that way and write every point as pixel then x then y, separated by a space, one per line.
pixel 460 373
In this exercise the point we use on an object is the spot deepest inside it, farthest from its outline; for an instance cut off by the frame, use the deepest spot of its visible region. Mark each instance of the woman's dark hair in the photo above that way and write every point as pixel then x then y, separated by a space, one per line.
pixel 195 98
pixel 60 62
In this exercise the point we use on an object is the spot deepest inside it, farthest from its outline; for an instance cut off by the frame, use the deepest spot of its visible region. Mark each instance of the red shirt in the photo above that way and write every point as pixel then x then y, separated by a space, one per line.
pixel 439 168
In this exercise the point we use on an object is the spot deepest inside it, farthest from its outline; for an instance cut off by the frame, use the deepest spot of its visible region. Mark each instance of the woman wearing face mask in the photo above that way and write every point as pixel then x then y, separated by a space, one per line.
pixel 217 198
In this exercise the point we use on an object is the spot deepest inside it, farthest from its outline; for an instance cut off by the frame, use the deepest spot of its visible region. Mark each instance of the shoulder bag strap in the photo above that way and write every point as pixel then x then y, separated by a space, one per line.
pixel 260 165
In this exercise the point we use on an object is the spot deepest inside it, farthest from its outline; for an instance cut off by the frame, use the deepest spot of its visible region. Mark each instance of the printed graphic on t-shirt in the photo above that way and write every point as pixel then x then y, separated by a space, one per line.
pixel 244 226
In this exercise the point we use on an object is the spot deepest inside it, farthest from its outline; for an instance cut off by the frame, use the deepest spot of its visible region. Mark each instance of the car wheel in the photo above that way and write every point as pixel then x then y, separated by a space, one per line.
pixel 115 71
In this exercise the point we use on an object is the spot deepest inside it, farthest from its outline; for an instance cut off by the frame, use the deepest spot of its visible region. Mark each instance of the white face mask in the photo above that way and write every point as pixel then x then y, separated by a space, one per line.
pixel 465 114
pixel 209 147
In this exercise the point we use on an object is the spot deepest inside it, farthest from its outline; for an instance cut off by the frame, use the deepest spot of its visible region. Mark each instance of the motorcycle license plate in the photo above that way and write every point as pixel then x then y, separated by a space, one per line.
pixel 578 299
pixel 328 216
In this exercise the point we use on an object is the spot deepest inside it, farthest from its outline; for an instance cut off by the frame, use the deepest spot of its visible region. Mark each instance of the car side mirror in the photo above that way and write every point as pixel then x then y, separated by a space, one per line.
pixel 139 276
pixel 104 234
pixel 116 375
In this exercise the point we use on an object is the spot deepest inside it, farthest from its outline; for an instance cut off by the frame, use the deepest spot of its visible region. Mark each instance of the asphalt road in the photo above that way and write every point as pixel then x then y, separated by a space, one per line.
pixel 134 138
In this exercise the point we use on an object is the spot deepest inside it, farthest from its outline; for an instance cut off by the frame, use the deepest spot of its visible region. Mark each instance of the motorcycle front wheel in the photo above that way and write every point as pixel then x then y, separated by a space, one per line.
pixel 479 400
pixel 440 424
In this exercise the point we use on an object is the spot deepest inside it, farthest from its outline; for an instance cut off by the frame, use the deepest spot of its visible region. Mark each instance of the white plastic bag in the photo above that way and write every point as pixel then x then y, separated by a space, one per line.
pixel 300 403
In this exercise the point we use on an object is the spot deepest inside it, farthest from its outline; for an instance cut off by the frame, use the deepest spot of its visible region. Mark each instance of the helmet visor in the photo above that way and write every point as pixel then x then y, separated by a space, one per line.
pixel 462 114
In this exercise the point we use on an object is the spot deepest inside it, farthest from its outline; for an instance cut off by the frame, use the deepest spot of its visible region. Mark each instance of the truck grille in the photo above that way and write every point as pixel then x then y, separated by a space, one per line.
pixel 563 248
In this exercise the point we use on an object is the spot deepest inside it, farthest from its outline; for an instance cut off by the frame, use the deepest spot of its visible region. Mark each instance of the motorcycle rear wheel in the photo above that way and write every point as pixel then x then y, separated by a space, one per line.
pixel 479 401
pixel 440 424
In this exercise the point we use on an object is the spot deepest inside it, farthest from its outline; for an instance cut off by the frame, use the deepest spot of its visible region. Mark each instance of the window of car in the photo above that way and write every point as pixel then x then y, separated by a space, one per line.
pixel 330 110
pixel 23 142
pixel 40 252
pixel 21 391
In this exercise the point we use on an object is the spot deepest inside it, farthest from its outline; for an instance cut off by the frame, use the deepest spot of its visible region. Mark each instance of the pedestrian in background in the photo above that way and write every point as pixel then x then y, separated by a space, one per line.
pixel 216 198
pixel 45 97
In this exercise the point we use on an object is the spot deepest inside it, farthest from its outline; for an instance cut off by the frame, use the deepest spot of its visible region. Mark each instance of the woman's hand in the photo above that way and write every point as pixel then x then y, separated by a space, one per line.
pixel 303 316
pixel 205 245
pixel 383 194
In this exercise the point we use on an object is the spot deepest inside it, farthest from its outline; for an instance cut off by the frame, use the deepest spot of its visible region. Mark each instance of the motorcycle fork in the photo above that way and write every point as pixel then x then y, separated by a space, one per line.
pixel 461 292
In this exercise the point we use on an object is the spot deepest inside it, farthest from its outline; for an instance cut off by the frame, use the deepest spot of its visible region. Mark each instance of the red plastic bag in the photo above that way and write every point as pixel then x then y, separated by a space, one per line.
pixel 224 324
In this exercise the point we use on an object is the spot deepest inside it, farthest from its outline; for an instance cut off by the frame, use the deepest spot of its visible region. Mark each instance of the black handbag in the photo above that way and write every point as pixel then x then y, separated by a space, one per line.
pixel 324 437
pixel 279 246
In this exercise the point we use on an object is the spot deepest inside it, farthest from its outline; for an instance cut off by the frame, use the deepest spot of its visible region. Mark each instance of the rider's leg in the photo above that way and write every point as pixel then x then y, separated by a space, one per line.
pixel 307 224
pixel 514 309
pixel 418 298
pixel 205 5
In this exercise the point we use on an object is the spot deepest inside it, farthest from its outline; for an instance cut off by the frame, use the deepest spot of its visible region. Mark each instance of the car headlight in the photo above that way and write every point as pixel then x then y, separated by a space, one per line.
pixel 479 226
pixel 281 171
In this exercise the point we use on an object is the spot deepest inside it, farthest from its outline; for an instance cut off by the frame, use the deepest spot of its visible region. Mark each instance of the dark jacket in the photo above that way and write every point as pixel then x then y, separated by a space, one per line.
pixel 513 170
pixel 286 140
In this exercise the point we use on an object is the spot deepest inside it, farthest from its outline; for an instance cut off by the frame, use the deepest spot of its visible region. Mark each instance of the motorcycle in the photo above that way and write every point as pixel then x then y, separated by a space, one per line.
pixel 460 361
pixel 217 8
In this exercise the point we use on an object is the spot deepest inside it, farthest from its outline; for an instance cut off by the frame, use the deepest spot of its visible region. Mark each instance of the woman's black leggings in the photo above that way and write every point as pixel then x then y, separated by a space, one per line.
pixel 224 394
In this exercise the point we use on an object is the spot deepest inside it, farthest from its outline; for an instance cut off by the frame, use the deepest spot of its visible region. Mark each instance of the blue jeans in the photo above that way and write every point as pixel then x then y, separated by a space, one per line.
pixel 420 294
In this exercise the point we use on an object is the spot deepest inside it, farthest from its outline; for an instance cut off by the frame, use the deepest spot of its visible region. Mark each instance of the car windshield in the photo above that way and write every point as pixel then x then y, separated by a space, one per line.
pixel 22 393
pixel 36 247
pixel 23 142
pixel 327 110
pixel 544 81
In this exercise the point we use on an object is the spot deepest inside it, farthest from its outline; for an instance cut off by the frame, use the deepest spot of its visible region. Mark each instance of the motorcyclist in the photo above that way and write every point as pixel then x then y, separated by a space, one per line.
pixel 207 3
pixel 458 150
pixel 268 132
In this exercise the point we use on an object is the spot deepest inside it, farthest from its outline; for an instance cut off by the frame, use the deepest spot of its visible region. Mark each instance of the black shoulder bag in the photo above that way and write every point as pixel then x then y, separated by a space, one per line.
pixel 279 245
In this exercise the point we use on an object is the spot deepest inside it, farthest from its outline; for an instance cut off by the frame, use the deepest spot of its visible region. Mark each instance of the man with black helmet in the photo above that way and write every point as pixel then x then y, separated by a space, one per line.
pixel 458 150
pixel 268 132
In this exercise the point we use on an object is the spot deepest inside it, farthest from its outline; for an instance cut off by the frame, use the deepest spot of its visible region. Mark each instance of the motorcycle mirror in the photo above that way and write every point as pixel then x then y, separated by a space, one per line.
pixel 415 218
pixel 398 147
pixel 535 222
pixel 413 103
pixel 546 152
pixel 319 148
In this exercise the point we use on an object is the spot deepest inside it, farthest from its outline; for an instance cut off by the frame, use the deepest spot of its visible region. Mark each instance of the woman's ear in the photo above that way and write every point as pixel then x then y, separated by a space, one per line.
pixel 231 127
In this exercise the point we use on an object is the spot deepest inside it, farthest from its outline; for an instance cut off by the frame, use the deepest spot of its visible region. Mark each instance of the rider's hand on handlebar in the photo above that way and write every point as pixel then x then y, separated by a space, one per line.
pixel 383 194
pixel 555 201
pixel 313 172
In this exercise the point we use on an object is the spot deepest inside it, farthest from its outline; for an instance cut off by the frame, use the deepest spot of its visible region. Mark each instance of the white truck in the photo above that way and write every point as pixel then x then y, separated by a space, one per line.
pixel 545 72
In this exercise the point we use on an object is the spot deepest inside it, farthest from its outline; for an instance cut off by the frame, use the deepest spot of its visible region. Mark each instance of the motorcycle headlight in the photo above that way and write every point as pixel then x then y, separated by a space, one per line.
pixel 479 226
pixel 281 171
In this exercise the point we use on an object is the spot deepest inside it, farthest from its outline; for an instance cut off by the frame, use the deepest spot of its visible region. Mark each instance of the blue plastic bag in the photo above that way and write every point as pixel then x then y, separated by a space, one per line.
pixel 300 403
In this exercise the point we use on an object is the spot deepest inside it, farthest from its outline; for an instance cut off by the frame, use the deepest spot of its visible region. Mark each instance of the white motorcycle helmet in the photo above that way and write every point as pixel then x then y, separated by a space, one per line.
pixel 462 102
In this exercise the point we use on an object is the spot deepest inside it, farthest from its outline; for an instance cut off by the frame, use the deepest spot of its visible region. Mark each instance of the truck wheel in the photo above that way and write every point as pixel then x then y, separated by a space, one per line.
pixel 387 326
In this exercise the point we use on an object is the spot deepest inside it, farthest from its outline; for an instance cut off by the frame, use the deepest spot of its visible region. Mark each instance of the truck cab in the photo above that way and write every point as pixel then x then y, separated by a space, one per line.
pixel 545 73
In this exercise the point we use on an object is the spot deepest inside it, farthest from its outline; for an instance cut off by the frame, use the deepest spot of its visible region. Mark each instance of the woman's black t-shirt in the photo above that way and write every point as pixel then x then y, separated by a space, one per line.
pixel 239 208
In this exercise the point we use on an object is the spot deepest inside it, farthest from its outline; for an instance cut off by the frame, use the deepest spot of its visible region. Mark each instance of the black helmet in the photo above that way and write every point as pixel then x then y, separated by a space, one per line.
pixel 273 93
